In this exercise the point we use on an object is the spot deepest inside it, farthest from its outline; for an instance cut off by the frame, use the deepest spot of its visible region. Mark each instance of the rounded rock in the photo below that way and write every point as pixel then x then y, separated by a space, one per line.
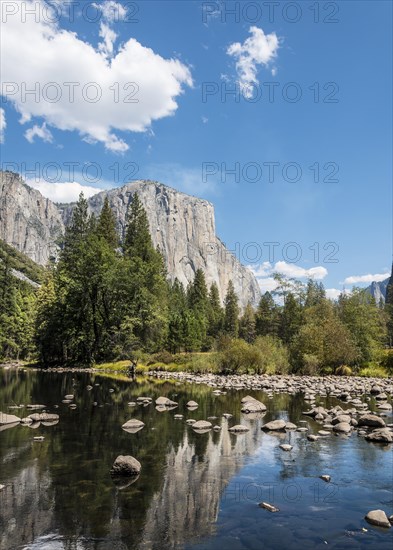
pixel 126 466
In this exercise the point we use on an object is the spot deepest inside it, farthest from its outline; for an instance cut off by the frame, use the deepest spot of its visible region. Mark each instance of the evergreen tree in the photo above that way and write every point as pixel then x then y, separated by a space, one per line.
pixel 291 318
pixel 106 225
pixel 197 294
pixel 267 317
pixel 148 289
pixel 177 297
pixel 176 332
pixel 215 312
pixel 231 316
pixel 315 293
pixel 389 310
pixel 247 324
pixel 16 314
pixel 137 242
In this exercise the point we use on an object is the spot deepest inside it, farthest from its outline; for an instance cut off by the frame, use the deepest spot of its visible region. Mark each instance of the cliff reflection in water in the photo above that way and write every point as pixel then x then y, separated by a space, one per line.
pixel 187 504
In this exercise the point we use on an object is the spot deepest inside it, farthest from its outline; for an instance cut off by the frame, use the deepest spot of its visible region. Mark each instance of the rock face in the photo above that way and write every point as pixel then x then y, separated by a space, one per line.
pixel 181 225
pixel 28 221
pixel 378 290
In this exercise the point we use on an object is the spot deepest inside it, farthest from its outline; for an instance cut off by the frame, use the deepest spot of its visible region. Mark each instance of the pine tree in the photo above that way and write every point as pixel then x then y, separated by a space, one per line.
pixel 291 318
pixel 247 324
pixel 389 310
pixel 267 316
pixel 197 295
pixel 389 289
pixel 106 225
pixel 175 340
pixel 231 317
pixel 215 312
pixel 137 242
pixel 315 293
pixel 148 290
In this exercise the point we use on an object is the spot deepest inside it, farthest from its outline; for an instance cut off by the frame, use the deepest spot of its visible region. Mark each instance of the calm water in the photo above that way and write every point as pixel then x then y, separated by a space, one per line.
pixel 195 491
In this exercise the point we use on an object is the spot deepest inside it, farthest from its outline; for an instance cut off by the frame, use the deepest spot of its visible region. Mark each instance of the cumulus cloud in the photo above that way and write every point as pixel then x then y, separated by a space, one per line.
pixel 292 270
pixel 77 87
pixel 333 293
pixel 41 132
pixel 3 125
pixel 62 191
pixel 111 10
pixel 264 273
pixel 259 49
pixel 353 279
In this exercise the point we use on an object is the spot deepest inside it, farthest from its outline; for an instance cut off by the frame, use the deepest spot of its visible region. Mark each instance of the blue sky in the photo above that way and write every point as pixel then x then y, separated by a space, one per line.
pixel 327 66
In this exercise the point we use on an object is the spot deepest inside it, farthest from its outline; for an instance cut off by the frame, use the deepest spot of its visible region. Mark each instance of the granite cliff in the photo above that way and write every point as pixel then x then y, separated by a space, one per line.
pixel 182 226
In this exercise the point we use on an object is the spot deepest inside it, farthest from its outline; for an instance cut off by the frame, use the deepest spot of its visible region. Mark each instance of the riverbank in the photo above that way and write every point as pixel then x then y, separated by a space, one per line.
pixel 194 364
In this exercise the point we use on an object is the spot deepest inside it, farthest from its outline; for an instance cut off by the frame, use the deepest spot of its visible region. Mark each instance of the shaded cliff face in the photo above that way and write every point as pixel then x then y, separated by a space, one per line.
pixel 28 221
pixel 181 225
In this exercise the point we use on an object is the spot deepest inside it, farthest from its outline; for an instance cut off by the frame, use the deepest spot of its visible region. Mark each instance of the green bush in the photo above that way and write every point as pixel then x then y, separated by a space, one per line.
pixel 343 370
pixel 275 356
pixel 310 364
pixel 202 363
pixel 240 357
pixel 163 357
pixel 387 361
pixel 373 372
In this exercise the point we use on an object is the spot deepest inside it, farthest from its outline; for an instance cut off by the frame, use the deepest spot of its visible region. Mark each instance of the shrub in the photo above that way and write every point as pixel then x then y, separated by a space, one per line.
pixel 274 355
pixel 310 364
pixel 387 361
pixel 163 357
pixel 373 372
pixel 343 370
pixel 203 363
pixel 240 357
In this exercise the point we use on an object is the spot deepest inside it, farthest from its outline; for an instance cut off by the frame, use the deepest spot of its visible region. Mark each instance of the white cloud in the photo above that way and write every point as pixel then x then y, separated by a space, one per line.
pixel 334 293
pixel 48 57
pixel 353 279
pixel 205 120
pixel 62 191
pixel 3 125
pixel 264 272
pixel 297 272
pixel 109 36
pixel 111 10
pixel 267 284
pixel 258 49
pixel 41 132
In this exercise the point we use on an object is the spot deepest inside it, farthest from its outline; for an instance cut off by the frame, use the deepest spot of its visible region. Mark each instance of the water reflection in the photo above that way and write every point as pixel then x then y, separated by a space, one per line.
pixel 194 489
